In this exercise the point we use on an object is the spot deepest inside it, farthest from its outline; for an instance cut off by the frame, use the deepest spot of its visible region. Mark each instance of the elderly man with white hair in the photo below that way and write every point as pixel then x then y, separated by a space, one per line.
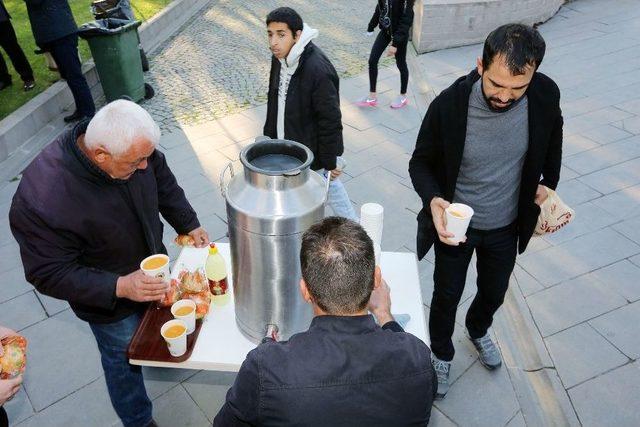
pixel 86 212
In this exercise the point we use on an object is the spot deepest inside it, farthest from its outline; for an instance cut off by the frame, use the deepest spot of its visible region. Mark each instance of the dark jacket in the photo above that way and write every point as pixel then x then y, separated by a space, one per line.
pixel 435 163
pixel 400 20
pixel 343 371
pixel 50 20
pixel 313 116
pixel 4 13
pixel 78 229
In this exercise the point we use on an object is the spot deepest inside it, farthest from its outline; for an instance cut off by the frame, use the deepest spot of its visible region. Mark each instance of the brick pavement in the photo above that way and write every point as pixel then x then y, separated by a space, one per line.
pixel 226 69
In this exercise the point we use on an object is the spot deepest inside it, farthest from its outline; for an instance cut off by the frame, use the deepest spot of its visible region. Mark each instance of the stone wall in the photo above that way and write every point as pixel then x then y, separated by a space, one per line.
pixel 441 24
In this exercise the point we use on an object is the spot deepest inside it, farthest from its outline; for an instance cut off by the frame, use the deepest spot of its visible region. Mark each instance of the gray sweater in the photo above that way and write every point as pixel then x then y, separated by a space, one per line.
pixel 494 152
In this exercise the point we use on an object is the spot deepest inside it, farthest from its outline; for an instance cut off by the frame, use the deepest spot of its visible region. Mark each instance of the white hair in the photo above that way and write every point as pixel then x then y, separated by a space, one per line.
pixel 118 124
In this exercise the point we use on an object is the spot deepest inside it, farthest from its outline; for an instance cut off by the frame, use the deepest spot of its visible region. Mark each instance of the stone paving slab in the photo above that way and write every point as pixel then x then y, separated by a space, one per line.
pixel 578 256
pixel 574 364
pixel 52 306
pixel 14 284
pixel 610 399
pixel 22 311
pixel 570 303
pixel 620 327
pixel 88 406
pixel 621 204
pixel 621 277
pixel 176 408
pixel 630 229
pixel 575 192
pixel 53 344
pixel 209 389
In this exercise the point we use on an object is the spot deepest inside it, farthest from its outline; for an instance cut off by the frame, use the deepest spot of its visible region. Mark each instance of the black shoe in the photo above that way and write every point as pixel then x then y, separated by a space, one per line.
pixel 74 117
pixel 28 85
pixel 4 85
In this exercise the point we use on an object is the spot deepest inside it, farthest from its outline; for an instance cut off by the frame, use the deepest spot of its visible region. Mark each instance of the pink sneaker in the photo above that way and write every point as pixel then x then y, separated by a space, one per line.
pixel 399 102
pixel 367 102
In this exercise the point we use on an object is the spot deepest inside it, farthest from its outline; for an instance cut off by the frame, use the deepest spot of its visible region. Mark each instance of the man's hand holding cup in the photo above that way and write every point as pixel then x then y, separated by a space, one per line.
pixel 139 287
pixel 450 220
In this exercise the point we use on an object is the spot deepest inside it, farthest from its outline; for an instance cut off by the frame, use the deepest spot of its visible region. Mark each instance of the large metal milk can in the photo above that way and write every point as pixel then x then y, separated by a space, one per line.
pixel 269 206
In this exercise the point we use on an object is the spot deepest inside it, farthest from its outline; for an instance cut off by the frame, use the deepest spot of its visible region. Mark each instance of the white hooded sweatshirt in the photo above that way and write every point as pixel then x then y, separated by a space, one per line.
pixel 288 67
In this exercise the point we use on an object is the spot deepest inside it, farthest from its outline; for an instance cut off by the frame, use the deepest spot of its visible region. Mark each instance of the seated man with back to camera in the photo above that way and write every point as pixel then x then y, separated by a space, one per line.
pixel 345 369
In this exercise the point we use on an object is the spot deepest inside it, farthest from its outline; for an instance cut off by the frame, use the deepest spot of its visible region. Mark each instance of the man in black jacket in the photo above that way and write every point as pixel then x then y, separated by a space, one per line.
pixel 485 141
pixel 86 213
pixel 55 31
pixel 345 370
pixel 304 100
pixel 9 43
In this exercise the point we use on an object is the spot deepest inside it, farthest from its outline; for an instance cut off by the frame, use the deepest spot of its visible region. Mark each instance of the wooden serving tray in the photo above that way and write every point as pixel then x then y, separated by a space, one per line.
pixel 148 344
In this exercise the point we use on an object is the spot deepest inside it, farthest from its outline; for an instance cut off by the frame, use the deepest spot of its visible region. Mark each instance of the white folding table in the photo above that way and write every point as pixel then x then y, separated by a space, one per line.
pixel 222 347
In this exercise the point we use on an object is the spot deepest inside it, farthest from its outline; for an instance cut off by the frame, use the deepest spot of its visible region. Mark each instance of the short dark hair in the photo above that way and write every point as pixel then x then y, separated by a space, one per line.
pixel 287 16
pixel 521 46
pixel 338 265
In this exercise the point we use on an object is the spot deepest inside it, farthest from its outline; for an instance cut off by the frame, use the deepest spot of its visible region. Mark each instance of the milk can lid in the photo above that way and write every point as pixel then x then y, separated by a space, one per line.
pixel 276 157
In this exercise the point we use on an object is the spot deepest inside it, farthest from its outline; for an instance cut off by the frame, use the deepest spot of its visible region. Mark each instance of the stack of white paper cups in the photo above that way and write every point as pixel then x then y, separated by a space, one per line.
pixel 371 219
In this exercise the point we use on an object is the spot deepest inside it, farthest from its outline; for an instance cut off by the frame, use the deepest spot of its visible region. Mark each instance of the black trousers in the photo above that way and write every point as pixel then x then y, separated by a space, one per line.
pixel 496 256
pixel 65 53
pixel 379 45
pixel 9 43
pixel 4 421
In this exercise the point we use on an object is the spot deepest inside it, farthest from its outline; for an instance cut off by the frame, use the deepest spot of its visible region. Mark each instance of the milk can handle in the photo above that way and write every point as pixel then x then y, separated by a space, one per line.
pixel 223 187
pixel 326 190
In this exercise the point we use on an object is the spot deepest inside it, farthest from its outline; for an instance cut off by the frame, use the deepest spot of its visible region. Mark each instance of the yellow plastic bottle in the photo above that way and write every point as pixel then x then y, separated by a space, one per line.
pixel 216 271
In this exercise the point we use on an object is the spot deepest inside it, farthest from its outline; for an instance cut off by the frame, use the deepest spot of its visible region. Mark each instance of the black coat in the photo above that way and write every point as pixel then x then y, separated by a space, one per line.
pixel 312 111
pixel 50 20
pixel 435 163
pixel 78 229
pixel 401 19
pixel 344 371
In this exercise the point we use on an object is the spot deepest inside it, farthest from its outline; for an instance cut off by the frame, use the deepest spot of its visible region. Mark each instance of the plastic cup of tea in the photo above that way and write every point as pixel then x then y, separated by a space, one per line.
pixel 174 333
pixel 185 310
pixel 458 217
pixel 156 266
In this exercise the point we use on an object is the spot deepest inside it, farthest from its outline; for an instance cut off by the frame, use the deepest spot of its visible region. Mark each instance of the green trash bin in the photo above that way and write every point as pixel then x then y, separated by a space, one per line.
pixel 117 58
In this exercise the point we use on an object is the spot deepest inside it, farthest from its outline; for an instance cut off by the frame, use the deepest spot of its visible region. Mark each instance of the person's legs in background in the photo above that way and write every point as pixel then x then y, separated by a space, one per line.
pixel 65 53
pixel 124 381
pixel 5 77
pixel 379 45
pixel 338 199
pixel 401 63
pixel 9 43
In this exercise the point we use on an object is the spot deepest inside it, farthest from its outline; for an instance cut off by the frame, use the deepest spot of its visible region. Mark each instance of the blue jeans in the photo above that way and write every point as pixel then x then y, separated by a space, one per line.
pixel 124 381
pixel 339 199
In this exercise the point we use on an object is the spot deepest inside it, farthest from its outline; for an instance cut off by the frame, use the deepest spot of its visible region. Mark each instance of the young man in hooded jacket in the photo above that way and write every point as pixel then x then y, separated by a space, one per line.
pixel 304 101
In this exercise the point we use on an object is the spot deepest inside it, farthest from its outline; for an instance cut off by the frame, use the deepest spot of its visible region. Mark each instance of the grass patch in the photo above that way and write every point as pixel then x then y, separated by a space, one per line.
pixel 14 97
